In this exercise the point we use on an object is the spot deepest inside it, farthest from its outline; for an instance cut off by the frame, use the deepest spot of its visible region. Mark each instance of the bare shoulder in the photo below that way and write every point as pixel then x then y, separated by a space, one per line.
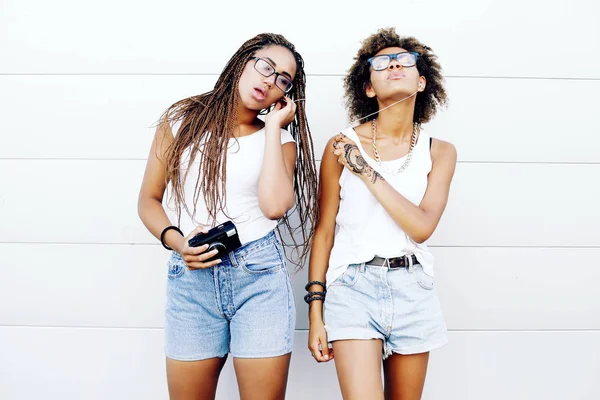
pixel 330 141
pixel 443 151
pixel 329 146
pixel 164 130
pixel 329 163
pixel 163 139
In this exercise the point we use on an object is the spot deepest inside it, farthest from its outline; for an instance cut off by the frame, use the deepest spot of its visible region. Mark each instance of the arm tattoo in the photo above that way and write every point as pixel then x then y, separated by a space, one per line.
pixel 355 161
pixel 358 165
pixel 376 175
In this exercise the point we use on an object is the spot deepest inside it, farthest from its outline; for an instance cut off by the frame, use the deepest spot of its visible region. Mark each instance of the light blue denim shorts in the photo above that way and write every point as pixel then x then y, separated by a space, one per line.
pixel 398 306
pixel 243 306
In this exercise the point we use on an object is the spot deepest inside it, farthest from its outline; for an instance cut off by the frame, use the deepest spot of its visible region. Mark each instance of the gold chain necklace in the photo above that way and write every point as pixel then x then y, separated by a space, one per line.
pixel 413 142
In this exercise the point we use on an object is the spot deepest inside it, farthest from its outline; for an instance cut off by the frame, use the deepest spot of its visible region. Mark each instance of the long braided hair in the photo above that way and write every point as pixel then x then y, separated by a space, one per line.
pixel 208 121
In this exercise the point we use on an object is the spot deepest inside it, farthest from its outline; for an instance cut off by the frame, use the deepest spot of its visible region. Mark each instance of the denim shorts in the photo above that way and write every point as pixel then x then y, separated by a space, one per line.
pixel 398 306
pixel 243 306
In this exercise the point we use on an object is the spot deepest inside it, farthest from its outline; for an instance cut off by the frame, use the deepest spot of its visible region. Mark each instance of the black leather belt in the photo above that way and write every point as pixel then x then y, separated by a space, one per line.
pixel 394 263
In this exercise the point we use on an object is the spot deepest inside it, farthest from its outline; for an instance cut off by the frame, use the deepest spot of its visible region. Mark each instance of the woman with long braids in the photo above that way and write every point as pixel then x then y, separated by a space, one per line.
pixel 225 164
pixel 385 184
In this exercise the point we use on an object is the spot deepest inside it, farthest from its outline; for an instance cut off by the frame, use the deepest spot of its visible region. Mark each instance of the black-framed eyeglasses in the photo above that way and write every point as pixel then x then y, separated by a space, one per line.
pixel 266 69
pixel 404 58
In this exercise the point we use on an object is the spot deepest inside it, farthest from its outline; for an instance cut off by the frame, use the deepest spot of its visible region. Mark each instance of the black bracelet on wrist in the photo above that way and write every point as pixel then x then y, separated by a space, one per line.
pixel 322 284
pixel 308 299
pixel 314 296
pixel 162 235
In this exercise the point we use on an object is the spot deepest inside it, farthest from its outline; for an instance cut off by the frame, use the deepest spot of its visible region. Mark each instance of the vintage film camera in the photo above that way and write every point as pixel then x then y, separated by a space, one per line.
pixel 223 238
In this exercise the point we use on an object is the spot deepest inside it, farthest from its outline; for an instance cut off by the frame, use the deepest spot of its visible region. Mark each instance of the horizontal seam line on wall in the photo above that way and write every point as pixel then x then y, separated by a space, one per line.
pixel 308 75
pixel 317 160
pixel 297 330
pixel 432 246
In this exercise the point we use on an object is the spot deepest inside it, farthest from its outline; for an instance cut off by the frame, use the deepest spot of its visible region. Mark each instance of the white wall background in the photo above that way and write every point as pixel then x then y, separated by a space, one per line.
pixel 82 281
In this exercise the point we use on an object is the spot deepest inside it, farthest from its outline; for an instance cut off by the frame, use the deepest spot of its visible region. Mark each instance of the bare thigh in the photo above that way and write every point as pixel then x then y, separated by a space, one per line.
pixel 358 365
pixel 194 380
pixel 262 378
pixel 405 376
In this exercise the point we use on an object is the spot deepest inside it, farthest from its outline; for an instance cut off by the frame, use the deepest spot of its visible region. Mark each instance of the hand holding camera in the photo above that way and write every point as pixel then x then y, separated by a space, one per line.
pixel 198 257
pixel 217 242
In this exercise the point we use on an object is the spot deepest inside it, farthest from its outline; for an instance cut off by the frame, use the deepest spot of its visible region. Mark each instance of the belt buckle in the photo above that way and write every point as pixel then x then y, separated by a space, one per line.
pixel 399 262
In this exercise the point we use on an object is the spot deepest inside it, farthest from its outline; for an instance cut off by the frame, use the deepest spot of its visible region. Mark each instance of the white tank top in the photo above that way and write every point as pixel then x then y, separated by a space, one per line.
pixel 244 162
pixel 364 228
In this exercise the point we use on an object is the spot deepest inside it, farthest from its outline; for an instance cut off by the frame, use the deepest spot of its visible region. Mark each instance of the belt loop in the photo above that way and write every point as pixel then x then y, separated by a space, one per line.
pixel 361 269
pixel 410 264
pixel 233 259
pixel 386 263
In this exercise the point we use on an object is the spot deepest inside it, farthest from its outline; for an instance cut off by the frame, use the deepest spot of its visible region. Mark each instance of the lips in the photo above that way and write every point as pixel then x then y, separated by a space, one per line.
pixel 260 93
pixel 396 75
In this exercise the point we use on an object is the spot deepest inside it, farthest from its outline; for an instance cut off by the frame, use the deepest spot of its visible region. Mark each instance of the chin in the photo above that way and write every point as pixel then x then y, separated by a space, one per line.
pixel 398 93
pixel 252 104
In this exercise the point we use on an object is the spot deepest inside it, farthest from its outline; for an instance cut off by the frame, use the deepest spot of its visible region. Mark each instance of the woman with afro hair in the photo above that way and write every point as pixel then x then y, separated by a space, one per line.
pixel 384 185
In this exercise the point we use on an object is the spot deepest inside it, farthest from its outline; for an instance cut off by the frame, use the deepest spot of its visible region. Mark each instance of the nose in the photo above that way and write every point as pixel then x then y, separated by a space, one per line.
pixel 270 80
pixel 395 64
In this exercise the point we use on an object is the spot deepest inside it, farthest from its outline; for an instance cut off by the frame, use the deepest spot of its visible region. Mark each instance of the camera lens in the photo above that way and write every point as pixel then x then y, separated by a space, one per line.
pixel 216 246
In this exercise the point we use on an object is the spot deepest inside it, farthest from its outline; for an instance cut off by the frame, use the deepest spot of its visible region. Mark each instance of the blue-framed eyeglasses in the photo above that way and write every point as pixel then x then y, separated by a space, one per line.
pixel 404 58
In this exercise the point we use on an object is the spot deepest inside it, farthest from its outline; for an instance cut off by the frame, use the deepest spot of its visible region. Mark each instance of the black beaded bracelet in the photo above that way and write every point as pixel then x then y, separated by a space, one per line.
pixel 308 299
pixel 322 284
pixel 310 295
pixel 162 235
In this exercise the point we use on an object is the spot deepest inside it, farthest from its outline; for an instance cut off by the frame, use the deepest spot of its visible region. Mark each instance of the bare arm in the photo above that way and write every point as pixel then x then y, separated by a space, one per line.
pixel 150 208
pixel 419 222
pixel 153 188
pixel 329 201
pixel 276 181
